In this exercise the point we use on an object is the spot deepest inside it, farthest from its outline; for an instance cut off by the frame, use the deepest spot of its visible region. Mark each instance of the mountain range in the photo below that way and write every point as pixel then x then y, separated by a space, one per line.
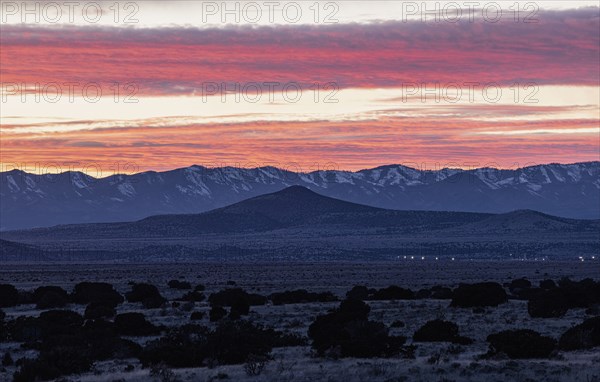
pixel 29 200
pixel 299 223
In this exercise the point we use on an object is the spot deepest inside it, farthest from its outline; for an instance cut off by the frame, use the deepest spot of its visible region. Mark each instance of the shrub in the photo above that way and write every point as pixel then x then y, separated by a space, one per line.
pixel 440 331
pixel 547 284
pixel 397 324
pixel 195 316
pixel 38 293
pixel 348 329
pixel 436 331
pixel 176 284
pixel 479 294
pixel 93 292
pixel 55 322
pixel 358 292
pixel 217 313
pixel 97 310
pixel 521 344
pixel 147 294
pixel 439 292
pixel 199 288
pixel 300 296
pixel 7 360
pixel 519 284
pixel 9 296
pixel 393 293
pixel 551 303
pixel 583 336
pixel 239 308
pixel 54 363
pixel 193 296
pixel 569 294
pixel 228 297
pixel 180 347
pixel 232 342
pixel 423 294
pixel 134 324
pixel 52 299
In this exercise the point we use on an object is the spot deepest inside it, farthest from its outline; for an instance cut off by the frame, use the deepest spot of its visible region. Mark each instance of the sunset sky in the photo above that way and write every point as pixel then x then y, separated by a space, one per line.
pixel 346 85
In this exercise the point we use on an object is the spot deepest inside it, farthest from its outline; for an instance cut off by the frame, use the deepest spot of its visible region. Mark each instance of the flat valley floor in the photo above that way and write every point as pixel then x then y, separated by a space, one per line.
pixel 435 362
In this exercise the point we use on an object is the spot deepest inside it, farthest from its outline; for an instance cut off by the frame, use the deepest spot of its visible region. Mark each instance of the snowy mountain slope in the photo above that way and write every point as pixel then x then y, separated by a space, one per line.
pixel 28 200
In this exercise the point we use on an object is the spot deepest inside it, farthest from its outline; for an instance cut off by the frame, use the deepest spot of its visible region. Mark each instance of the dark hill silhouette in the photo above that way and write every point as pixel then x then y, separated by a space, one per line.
pixel 301 224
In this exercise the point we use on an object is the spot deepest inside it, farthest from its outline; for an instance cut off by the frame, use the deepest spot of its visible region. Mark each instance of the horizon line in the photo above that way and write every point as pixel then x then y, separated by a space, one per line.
pixel 419 168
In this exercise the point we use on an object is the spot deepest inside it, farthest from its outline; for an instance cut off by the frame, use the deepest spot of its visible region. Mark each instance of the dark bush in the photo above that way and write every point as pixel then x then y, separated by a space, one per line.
pixel 423 294
pixel 134 324
pixel 593 310
pixel 358 292
pixel 479 294
pixel 436 331
pixel 147 294
pixel 176 284
pixel 439 292
pixel 440 331
pixel 227 297
pixel 55 322
pixel 23 329
pixel 9 296
pixel 521 344
pixel 583 336
pixel 7 360
pixel 551 303
pixel 193 296
pixel 393 292
pixel 547 284
pixel 347 331
pixel 519 284
pixel 25 297
pixel 38 293
pixel 105 343
pixel 180 347
pixel 300 296
pixel 2 315
pixel 54 363
pixel 93 292
pixel 51 299
pixel 195 316
pixel 200 288
pixel 397 324
pixel 97 310
pixel 216 313
pixel 568 295
pixel 232 342
pixel 239 308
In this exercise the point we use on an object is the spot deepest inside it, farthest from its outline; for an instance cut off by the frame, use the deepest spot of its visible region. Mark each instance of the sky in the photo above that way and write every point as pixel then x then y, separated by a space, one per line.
pixel 108 87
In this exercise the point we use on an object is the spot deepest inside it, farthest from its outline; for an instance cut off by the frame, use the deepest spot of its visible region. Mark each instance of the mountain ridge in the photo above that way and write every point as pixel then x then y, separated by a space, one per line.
pixel 30 200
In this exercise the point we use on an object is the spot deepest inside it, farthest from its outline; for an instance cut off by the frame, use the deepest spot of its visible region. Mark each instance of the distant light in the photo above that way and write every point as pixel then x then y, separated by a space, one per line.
pixel 422 257
pixel 593 257
pixel 436 258
pixel 412 257
pixel 405 257
pixel 453 259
